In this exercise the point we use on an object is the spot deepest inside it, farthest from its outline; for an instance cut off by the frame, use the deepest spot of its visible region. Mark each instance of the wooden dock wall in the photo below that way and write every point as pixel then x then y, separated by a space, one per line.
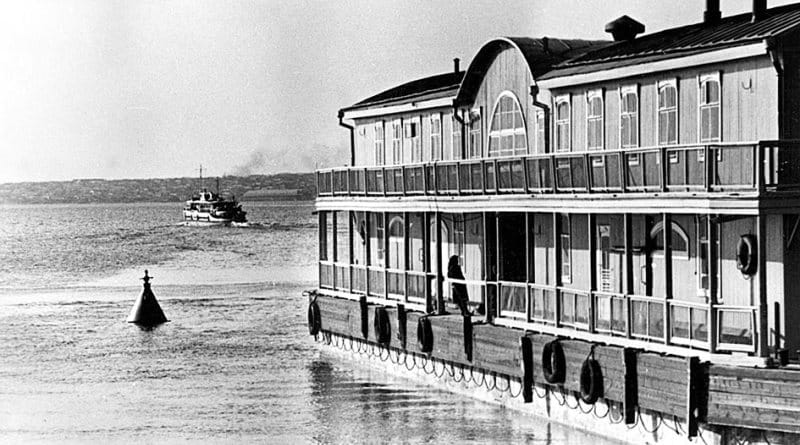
pixel 714 395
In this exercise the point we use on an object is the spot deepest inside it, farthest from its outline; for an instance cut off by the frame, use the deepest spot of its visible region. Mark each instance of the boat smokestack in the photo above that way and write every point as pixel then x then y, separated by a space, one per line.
pixel 146 311
pixel 759 9
pixel 456 65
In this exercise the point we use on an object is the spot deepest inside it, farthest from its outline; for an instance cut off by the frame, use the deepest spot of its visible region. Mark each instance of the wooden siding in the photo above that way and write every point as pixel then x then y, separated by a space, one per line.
pixel 508 72
pixel 749 104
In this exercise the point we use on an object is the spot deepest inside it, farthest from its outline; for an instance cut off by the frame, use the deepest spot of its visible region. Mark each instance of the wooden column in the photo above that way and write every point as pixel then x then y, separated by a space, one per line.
pixel 367 247
pixel 557 266
pixel 487 268
pixel 406 265
pixel 385 216
pixel 334 248
pixel 712 233
pixel 667 234
pixel 439 276
pixel 628 265
pixel 762 317
pixel 528 256
pixel 591 221
pixel 426 261
pixel 350 239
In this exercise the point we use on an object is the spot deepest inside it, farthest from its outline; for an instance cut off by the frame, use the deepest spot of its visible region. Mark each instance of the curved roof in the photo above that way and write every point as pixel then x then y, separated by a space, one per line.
pixel 541 54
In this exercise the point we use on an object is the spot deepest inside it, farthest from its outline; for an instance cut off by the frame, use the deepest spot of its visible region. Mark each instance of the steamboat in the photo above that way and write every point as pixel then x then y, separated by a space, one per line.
pixel 604 233
pixel 209 208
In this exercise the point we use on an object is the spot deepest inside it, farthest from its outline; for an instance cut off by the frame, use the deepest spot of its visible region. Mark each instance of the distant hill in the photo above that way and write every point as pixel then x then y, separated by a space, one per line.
pixel 253 187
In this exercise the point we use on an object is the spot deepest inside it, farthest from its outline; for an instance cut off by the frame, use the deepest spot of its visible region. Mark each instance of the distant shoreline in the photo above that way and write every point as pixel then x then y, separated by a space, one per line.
pixel 278 187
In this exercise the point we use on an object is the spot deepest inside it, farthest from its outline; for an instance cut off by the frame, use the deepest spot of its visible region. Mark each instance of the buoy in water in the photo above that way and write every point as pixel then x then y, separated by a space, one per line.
pixel 146 311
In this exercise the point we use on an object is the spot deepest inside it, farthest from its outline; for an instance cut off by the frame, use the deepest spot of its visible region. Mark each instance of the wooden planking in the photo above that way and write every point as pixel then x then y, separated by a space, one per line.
pixel 412 319
pixel 448 338
pixel 662 383
pixel 497 349
pixel 753 417
pixel 340 316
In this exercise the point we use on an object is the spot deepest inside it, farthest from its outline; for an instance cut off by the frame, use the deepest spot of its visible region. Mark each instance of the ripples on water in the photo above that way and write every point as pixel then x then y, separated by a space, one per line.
pixel 235 364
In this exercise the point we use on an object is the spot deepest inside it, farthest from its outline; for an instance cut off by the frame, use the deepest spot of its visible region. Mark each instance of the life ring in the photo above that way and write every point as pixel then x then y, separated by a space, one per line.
pixel 591 381
pixel 314 318
pixel 382 326
pixel 554 365
pixel 747 254
pixel 424 335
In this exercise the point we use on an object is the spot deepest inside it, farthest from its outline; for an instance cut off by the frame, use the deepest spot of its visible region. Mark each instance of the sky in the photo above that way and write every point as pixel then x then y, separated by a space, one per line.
pixel 138 89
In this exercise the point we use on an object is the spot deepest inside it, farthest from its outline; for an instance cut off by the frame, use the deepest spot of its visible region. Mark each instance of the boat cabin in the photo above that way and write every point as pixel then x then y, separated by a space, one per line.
pixel 641 191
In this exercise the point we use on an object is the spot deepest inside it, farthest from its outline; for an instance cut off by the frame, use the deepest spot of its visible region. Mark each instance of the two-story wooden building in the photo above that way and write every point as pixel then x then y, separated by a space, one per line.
pixel 640 194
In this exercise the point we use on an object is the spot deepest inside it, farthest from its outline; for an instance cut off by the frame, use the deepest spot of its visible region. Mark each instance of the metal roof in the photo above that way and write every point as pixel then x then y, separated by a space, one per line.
pixel 433 87
pixel 691 39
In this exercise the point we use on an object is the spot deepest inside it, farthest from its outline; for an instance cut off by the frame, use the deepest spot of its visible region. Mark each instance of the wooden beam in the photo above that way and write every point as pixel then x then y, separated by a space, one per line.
pixel 557 265
pixel 591 220
pixel 693 375
pixel 439 276
pixel 762 318
pixel 667 241
pixel 527 368
pixel 631 385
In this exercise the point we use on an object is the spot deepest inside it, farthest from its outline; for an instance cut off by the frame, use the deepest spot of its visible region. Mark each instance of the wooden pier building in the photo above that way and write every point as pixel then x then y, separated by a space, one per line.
pixel 633 204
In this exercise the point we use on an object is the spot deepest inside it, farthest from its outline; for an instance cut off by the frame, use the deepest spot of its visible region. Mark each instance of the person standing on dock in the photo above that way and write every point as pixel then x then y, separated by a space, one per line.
pixel 459 290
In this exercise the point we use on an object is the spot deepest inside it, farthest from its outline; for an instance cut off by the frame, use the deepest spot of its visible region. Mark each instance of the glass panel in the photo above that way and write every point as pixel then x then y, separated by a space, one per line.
pixel 512 299
pixel 680 322
pixel 567 307
pixel 735 327
pixel 603 313
pixel 699 325
pixel 639 312
pixel 655 321
pixel 619 316
pixel 582 308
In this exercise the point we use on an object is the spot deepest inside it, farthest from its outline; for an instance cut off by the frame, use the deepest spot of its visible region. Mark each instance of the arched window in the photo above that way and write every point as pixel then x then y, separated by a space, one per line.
pixel 679 240
pixel 396 243
pixel 667 112
pixel 507 136
pixel 709 108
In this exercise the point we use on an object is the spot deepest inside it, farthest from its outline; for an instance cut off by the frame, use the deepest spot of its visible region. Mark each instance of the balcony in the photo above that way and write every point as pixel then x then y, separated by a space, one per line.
pixel 764 166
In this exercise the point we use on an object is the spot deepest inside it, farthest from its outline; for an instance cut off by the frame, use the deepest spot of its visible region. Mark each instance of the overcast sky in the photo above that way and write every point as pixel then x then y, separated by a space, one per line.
pixel 137 89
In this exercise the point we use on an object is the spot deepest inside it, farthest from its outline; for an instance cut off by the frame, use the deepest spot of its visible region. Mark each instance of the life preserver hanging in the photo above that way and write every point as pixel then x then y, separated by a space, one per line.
pixel 382 326
pixel 747 254
pixel 554 365
pixel 591 381
pixel 424 335
pixel 314 318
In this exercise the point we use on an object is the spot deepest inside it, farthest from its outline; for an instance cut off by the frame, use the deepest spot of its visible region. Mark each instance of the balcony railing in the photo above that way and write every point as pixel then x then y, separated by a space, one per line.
pixel 758 166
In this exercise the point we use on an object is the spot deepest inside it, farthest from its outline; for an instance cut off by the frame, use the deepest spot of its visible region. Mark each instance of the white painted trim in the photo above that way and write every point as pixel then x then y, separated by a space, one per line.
pixel 702 78
pixel 723 55
pixel 591 94
pixel 564 98
pixel 623 90
pixel 673 82
pixel 511 132
pixel 445 102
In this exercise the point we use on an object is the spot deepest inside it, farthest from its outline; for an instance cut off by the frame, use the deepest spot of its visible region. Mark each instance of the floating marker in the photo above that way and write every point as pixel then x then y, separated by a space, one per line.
pixel 146 311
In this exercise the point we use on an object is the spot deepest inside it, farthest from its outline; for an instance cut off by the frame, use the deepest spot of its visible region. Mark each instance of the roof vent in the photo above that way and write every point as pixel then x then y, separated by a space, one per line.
pixel 624 28
pixel 456 63
pixel 759 9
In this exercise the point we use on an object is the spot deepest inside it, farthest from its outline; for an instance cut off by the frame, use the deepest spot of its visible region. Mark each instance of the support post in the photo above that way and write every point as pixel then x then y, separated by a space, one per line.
pixel 334 249
pixel 692 395
pixel 557 266
pixel 426 261
pixel 385 216
pixel 631 385
pixel 712 283
pixel 526 348
pixel 667 233
pixel 763 309
pixel 350 252
pixel 406 263
pixel 439 277
pixel 367 247
pixel 591 220
pixel 628 265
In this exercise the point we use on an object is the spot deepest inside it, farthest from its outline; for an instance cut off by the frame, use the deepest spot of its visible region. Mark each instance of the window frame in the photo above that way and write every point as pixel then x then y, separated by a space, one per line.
pixel 541 129
pixel 380 153
pixel 701 80
pixel 565 262
pixel 436 137
pixel 662 84
pixel 508 132
pixel 413 142
pixel 456 137
pixel 623 91
pixel 567 122
pixel 397 141
pixel 475 148
pixel 591 95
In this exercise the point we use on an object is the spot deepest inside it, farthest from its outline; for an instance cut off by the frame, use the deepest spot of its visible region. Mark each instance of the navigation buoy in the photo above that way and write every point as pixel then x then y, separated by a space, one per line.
pixel 146 311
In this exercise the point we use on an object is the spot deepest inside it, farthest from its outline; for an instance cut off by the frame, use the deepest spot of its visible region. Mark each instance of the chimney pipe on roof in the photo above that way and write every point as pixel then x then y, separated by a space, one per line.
pixel 712 13
pixel 456 62
pixel 759 8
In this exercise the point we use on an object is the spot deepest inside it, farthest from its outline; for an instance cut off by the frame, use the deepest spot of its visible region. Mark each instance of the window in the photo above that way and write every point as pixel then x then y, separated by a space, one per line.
pixel 701 222
pixel 667 112
pixel 678 241
pixel 629 117
pixel 411 139
pixel 507 136
pixel 594 120
pixel 562 124
pixel 436 137
pixel 566 248
pixel 396 243
pixel 456 149
pixel 709 108
pixel 379 238
pixel 397 142
pixel 541 128
pixel 379 146
pixel 475 148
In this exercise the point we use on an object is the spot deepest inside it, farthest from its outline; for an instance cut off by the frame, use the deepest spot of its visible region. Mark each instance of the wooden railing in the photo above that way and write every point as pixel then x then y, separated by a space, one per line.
pixel 758 166
pixel 644 318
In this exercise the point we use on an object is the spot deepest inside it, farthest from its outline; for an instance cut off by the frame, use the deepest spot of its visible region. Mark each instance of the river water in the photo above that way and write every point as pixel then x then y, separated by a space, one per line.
pixel 235 363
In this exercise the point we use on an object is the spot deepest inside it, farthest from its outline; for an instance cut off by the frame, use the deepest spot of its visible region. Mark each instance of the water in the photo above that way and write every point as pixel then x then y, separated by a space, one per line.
pixel 235 364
